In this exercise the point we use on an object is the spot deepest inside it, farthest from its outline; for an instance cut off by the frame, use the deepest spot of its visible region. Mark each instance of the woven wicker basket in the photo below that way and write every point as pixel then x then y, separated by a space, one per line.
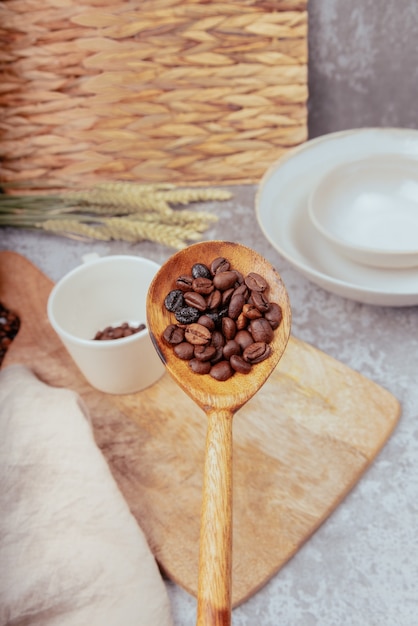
pixel 181 91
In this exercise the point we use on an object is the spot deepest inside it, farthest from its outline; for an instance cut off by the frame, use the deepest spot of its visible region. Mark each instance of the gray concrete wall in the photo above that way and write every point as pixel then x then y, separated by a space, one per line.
pixel 363 64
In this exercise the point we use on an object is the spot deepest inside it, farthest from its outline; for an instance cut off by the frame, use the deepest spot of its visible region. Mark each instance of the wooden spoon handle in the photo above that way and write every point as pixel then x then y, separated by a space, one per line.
pixel 215 557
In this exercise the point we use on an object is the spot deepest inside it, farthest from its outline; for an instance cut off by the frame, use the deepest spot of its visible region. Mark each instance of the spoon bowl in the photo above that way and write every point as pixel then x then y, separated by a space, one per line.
pixel 219 400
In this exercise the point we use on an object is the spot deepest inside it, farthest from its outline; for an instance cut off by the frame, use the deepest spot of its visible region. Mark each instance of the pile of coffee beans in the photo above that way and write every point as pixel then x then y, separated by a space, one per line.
pixel 224 321
pixel 117 332
pixel 9 326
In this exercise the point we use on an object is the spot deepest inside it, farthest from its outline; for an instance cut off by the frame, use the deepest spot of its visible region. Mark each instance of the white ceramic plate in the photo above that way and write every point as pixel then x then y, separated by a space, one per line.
pixel 282 212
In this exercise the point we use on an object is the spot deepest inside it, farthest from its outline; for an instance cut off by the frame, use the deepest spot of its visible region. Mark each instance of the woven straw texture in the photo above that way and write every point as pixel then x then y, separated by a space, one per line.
pixel 185 91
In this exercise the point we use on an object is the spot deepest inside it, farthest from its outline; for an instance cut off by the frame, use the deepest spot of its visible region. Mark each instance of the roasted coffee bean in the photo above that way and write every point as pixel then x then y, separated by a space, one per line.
pixel 218 340
pixel 174 300
pixel 251 312
pixel 128 330
pixel 101 333
pixel 219 355
pixel 173 334
pixel 184 283
pixel 207 321
pixel 239 364
pixel 204 353
pixel 229 328
pixel 225 320
pixel 9 326
pixel 184 350
pixel 242 321
pixel 4 344
pixel 240 277
pixel 261 330
pixel 106 333
pixel 236 305
pixel 243 290
pixel 227 295
pixel 274 315
pixel 256 352
pixel 221 371
pixel 219 265
pixel 118 332
pixel 214 300
pixel 198 335
pixel 214 316
pixel 131 330
pixel 187 315
pixel 200 367
pixel 225 280
pixel 260 301
pixel 255 282
pixel 203 285
pixel 192 298
pixel 223 312
pixel 231 347
pixel 244 339
pixel 200 269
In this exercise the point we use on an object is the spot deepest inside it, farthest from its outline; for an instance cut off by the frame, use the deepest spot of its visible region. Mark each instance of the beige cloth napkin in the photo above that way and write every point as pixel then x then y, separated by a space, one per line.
pixel 71 553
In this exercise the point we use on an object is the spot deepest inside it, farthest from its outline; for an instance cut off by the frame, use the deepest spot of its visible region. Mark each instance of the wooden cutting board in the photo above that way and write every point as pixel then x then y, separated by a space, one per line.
pixel 299 445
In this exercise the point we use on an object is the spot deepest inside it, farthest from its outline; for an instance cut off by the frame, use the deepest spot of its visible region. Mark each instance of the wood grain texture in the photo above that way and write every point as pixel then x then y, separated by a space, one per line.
pixel 185 91
pixel 300 444
pixel 214 590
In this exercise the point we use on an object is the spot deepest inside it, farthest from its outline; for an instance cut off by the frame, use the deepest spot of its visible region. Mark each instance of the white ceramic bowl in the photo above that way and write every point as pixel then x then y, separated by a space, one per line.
pixel 107 291
pixel 368 210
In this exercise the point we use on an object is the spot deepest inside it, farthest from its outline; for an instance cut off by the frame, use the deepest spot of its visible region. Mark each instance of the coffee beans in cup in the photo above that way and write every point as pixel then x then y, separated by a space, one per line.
pixel 223 322
pixel 118 332
pixel 9 326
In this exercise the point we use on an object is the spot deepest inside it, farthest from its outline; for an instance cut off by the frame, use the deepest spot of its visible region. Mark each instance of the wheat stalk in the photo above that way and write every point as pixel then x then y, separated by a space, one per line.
pixel 74 228
pixel 117 210
pixel 134 231
pixel 138 197
pixel 185 196
pixel 199 220
pixel 129 196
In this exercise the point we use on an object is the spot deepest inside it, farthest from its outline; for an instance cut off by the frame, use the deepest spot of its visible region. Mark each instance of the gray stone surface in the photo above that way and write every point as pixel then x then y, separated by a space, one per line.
pixel 360 568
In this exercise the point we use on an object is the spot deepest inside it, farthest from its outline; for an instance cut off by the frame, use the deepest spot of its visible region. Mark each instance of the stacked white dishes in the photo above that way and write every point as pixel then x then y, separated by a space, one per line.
pixel 368 210
pixel 343 210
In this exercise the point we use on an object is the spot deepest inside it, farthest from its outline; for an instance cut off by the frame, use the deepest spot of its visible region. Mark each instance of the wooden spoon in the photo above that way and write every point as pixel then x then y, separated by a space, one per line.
pixel 219 400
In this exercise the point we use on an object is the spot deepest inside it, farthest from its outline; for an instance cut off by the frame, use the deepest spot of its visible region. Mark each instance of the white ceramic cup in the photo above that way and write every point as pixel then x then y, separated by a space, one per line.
pixel 107 291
